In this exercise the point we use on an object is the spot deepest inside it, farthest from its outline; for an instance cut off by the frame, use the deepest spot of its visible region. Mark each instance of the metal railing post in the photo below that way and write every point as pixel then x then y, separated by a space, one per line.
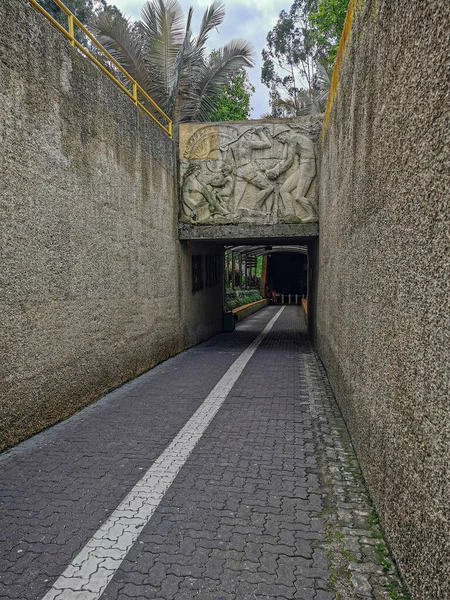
pixel 71 29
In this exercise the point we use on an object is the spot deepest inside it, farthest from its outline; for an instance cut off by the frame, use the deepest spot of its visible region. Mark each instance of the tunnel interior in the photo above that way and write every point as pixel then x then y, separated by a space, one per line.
pixel 287 273
pixel 277 272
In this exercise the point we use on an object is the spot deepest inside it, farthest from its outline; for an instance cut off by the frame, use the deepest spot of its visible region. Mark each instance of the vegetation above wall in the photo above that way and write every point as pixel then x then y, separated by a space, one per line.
pixel 300 54
pixel 236 298
pixel 84 11
pixel 169 62
pixel 232 102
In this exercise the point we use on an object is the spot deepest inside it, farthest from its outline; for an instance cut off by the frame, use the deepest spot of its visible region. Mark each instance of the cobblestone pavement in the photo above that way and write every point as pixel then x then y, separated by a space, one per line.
pixel 269 504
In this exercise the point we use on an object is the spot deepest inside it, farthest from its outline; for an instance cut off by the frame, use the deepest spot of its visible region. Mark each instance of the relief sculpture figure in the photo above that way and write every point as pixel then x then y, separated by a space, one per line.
pixel 247 172
pixel 297 148
pixel 222 185
pixel 199 203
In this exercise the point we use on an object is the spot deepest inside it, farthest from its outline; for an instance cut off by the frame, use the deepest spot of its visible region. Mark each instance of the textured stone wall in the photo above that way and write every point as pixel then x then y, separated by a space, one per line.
pixel 200 309
pixel 91 268
pixel 382 311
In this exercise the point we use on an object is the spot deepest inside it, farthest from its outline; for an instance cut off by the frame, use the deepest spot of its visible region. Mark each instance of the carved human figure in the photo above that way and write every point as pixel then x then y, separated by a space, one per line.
pixel 246 171
pixel 294 189
pixel 222 185
pixel 197 198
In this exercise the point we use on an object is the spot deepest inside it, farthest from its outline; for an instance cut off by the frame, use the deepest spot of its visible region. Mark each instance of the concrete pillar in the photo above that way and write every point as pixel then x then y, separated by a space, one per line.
pixel 233 271
pixel 262 283
pixel 245 272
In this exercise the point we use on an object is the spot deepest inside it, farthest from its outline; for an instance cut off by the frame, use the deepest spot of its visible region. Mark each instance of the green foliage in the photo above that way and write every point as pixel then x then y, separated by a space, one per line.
pixel 169 62
pixel 259 264
pixel 288 59
pixel 83 10
pixel 395 594
pixel 382 552
pixel 372 519
pixel 299 56
pixel 236 298
pixel 327 21
pixel 232 102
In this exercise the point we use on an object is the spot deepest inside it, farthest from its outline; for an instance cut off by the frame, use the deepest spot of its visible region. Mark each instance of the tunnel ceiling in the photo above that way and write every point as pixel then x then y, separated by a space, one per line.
pixel 267 249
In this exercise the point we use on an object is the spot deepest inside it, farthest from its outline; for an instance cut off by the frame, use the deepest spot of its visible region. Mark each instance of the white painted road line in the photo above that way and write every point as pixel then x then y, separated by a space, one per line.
pixel 93 568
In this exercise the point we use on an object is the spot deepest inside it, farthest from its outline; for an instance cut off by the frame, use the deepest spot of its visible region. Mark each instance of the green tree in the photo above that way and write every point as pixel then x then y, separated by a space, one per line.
pixel 327 20
pixel 232 102
pixel 169 62
pixel 311 103
pixel 83 10
pixel 289 57
pixel 300 54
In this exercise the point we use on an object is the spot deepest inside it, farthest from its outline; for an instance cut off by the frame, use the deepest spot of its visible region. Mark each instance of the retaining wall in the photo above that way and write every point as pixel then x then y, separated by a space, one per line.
pixel 95 287
pixel 381 273
pixel 242 312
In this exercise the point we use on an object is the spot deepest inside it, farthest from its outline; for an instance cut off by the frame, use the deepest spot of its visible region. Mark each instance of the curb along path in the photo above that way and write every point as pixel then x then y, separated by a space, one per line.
pixel 225 473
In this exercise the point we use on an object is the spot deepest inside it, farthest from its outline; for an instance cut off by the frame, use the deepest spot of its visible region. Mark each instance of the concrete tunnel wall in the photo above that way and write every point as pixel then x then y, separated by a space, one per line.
pixel 95 287
pixel 380 276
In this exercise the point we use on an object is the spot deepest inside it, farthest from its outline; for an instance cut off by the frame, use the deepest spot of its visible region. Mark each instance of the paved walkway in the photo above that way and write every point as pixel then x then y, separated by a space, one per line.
pixel 225 473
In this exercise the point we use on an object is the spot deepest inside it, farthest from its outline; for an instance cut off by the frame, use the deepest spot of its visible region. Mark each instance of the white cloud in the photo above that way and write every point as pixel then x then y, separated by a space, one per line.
pixel 249 19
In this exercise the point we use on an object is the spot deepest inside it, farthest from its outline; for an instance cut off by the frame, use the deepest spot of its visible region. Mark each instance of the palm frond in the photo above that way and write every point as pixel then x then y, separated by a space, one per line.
pixel 323 83
pixel 289 106
pixel 163 25
pixel 216 73
pixel 164 18
pixel 117 36
pixel 308 103
pixel 212 17
pixel 181 72
pixel 163 55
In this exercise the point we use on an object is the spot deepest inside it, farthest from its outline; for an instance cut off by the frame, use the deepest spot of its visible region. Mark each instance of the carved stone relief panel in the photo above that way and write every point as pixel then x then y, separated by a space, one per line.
pixel 249 171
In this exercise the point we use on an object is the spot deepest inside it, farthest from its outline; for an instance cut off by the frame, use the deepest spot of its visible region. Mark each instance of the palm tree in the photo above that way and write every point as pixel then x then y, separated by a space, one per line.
pixel 169 63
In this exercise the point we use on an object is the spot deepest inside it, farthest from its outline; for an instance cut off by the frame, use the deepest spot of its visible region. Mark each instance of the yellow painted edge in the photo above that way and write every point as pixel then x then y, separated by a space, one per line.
pixel 305 305
pixel 239 308
pixel 339 57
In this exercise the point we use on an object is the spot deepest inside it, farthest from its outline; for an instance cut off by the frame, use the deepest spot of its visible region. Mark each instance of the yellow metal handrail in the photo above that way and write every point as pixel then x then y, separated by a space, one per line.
pixel 136 88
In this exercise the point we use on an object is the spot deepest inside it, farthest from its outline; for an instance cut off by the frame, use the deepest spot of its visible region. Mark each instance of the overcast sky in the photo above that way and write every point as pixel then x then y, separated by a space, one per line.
pixel 249 19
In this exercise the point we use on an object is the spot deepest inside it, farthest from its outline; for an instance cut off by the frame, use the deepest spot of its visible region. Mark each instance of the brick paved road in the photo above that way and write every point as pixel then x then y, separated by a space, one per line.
pixel 270 504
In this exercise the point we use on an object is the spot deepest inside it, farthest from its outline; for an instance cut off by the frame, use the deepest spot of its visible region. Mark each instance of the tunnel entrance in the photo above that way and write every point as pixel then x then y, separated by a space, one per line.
pixel 276 273
pixel 253 277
